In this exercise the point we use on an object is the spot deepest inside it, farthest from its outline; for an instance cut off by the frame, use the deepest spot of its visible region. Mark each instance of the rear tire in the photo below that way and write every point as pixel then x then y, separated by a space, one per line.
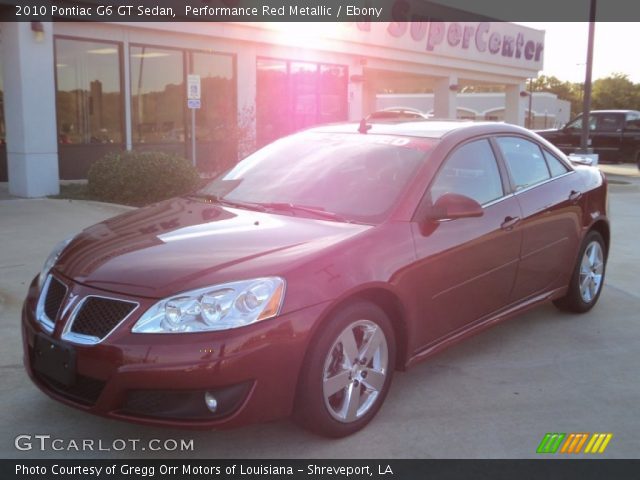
pixel 588 276
pixel 347 372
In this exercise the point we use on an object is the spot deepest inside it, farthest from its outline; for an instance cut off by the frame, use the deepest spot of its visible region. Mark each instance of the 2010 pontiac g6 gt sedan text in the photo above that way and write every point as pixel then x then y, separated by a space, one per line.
pixel 297 282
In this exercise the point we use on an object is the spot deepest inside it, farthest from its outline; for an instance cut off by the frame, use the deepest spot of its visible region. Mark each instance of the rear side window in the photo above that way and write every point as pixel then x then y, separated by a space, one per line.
pixel 610 122
pixel 471 170
pixel 633 121
pixel 556 166
pixel 524 160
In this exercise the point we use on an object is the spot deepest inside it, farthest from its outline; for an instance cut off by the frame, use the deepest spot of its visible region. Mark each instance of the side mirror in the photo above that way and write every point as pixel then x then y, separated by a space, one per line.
pixel 452 205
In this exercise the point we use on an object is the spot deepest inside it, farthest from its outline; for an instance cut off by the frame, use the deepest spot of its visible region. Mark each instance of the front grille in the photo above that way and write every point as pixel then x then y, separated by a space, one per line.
pixel 53 300
pixel 85 390
pixel 98 316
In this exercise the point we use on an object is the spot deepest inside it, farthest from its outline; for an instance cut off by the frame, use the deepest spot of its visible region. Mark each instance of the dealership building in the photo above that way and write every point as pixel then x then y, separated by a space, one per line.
pixel 73 92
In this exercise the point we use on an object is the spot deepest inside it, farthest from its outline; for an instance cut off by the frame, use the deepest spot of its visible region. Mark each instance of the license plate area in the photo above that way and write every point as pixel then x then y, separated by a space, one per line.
pixel 54 359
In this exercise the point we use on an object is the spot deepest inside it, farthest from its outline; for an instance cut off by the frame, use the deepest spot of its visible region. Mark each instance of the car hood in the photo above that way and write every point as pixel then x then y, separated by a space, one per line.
pixel 186 243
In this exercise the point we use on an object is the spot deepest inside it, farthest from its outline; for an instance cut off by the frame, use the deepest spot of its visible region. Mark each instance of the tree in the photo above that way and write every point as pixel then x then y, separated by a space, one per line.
pixel 571 92
pixel 615 92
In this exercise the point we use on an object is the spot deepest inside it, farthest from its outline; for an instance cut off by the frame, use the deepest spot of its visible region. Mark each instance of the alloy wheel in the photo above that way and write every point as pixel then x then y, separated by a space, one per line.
pixel 591 271
pixel 355 370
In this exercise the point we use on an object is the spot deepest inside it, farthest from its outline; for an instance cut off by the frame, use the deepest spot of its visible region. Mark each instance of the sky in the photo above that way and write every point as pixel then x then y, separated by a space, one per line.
pixel 566 49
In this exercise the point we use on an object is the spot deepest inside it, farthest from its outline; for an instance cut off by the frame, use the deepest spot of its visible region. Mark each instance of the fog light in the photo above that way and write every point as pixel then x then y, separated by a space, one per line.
pixel 211 402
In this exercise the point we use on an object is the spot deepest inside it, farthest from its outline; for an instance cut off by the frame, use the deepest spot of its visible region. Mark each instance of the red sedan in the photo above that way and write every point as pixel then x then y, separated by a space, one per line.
pixel 297 282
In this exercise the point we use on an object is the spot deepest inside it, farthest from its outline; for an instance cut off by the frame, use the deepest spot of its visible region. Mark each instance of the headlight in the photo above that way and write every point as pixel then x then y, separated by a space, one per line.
pixel 51 260
pixel 219 307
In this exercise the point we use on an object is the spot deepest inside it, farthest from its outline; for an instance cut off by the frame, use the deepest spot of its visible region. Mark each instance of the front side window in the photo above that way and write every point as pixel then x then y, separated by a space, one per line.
pixel 358 177
pixel 524 160
pixel 157 95
pixel 577 123
pixel 471 170
pixel 88 97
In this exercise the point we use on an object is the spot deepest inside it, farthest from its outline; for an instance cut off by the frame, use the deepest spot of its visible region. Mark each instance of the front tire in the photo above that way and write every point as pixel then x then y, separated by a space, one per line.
pixel 588 276
pixel 347 372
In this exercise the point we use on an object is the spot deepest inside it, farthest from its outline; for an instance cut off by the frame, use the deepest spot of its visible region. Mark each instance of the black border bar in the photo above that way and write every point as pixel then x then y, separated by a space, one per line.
pixel 317 10
pixel 320 469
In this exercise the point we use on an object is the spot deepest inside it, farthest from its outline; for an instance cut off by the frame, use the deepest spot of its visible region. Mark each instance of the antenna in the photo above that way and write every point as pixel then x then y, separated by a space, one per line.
pixel 364 127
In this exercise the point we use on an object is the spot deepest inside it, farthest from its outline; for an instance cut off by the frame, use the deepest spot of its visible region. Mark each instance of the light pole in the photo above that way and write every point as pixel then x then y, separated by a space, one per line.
pixel 586 102
pixel 528 94
pixel 530 100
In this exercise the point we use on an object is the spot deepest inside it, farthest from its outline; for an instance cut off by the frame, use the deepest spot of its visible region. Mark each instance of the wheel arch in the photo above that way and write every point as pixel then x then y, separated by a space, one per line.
pixel 388 302
pixel 391 305
pixel 602 227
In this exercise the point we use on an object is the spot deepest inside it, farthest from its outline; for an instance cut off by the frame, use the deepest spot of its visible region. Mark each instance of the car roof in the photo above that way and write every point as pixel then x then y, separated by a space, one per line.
pixel 422 128
pixel 399 109
pixel 614 111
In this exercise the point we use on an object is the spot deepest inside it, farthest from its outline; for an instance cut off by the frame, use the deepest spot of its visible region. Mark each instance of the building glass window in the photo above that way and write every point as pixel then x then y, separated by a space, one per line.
pixel 3 133
pixel 304 98
pixel 218 95
pixel 272 100
pixel 333 94
pixel 292 96
pixel 89 97
pixel 217 133
pixel 158 96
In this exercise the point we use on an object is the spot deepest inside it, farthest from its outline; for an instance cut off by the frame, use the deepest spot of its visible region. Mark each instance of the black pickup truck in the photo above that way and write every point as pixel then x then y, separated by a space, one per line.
pixel 614 135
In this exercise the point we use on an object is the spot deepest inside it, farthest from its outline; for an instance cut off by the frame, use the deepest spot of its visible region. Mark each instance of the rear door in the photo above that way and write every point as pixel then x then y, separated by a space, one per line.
pixel 631 138
pixel 607 137
pixel 551 215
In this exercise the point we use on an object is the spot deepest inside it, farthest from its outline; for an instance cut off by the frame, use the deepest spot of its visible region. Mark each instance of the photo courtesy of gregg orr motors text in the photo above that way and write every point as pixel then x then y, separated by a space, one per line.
pixel 46 443
pixel 186 469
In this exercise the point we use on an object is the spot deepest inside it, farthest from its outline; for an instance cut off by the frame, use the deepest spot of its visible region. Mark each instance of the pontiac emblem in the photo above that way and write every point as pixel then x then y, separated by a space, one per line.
pixel 71 299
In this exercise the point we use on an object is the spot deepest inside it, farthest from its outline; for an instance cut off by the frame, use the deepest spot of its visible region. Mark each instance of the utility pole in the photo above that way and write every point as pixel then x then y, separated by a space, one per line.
pixel 530 100
pixel 586 101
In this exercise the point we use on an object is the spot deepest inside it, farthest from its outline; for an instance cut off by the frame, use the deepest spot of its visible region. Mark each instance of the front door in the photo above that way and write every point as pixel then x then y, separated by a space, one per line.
pixel 569 137
pixel 466 267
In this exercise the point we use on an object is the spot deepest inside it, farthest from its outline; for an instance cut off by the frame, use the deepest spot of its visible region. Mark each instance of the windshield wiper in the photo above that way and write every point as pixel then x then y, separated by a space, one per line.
pixel 293 208
pixel 229 203
pixel 274 207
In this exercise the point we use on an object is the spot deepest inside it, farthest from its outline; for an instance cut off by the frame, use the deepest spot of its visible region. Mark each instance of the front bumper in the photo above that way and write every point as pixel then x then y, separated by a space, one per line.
pixel 161 379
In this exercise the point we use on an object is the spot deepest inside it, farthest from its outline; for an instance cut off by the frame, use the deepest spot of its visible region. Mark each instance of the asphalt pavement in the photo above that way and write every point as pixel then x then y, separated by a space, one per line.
pixel 493 396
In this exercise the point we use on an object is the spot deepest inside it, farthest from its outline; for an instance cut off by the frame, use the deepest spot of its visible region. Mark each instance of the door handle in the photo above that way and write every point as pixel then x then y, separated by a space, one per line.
pixel 509 223
pixel 575 195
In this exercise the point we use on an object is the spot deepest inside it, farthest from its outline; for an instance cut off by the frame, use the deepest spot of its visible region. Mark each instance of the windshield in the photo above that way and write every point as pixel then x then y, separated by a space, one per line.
pixel 348 177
